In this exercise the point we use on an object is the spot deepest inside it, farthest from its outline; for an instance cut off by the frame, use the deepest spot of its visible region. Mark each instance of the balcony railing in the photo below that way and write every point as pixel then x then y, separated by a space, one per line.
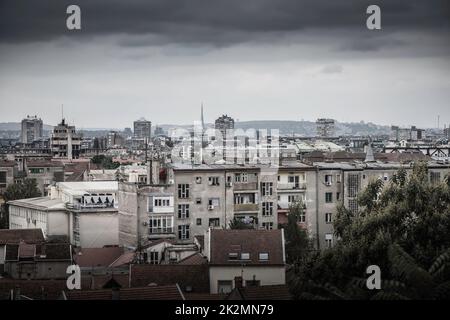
pixel 291 186
pixel 90 206
pixel 245 186
pixel 246 207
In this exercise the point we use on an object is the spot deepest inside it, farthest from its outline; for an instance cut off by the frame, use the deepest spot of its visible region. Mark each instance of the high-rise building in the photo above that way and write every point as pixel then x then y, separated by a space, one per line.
pixel 142 128
pixel 66 143
pixel 325 127
pixel 223 124
pixel 32 129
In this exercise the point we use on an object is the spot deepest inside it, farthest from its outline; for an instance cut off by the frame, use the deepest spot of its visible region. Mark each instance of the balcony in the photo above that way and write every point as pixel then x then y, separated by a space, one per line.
pixel 246 207
pixel 89 207
pixel 291 186
pixel 243 186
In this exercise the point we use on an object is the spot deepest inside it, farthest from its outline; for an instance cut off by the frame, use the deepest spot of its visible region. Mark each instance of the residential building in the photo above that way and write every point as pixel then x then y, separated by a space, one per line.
pixel 325 127
pixel 46 173
pixel 65 141
pixel 258 256
pixel 223 124
pixel 16 236
pixel 142 128
pixel 84 212
pixel 31 129
pixel 37 261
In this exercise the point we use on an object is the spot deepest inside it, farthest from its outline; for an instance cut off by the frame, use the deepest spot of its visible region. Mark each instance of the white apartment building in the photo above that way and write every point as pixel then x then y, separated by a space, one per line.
pixel 84 212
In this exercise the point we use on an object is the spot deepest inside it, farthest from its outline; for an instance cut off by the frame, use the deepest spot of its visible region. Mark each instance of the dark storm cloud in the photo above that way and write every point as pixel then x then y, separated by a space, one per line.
pixel 217 22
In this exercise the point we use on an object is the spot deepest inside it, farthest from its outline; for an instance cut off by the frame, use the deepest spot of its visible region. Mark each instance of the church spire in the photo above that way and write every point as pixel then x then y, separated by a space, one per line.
pixel 202 118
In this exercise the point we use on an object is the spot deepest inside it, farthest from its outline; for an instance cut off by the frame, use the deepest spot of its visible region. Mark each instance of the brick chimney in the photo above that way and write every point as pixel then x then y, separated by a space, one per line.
pixel 238 282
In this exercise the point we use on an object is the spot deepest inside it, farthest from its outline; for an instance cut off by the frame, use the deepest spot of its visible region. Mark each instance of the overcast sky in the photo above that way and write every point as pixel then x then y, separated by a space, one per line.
pixel 250 59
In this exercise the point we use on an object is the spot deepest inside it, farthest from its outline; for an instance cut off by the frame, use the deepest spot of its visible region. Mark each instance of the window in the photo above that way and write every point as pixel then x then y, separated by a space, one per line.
pixel 213 181
pixel 233 256
pixel 36 170
pixel 183 211
pixel 183 232
pixel 224 286
pixel 161 202
pixel 214 222
pixel 199 221
pixel 267 225
pixel 183 191
pixel 245 256
pixel 293 198
pixel 267 208
pixel 328 179
pixel 2 178
pixel 338 196
pixel 353 205
pixel 160 224
pixel 302 216
pixel 198 200
pixel 154 257
pixel 338 178
pixel 241 177
pixel 353 182
pixel 328 240
pixel 328 217
pixel 263 256
pixel 435 177
pixel 328 197
pixel 215 202
pixel 267 188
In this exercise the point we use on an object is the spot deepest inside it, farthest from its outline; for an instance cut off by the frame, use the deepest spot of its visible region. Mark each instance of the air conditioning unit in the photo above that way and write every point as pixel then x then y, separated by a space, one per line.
pixel 210 207
pixel 171 181
pixel 328 183
pixel 229 184
pixel 145 223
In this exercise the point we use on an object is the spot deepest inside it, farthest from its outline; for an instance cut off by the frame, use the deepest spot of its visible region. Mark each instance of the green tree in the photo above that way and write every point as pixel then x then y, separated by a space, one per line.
pixel 105 162
pixel 403 223
pixel 26 189
pixel 297 240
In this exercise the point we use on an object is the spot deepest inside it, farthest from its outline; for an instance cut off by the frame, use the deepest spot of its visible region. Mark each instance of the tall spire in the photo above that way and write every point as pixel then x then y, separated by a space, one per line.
pixel 202 119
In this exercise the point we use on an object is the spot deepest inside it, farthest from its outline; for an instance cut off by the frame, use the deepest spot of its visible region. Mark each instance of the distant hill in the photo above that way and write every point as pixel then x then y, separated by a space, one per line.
pixel 16 126
pixel 286 127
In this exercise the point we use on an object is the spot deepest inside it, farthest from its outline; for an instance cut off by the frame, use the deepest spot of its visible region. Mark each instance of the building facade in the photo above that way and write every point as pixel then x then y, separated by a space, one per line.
pixel 31 129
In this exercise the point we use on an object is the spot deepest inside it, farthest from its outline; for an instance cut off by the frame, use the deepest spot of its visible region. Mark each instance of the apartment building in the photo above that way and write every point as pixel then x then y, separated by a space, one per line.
pixel 83 212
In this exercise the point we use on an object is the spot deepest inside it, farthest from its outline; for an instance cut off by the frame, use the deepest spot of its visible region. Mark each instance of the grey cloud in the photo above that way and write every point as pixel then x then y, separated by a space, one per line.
pixel 216 22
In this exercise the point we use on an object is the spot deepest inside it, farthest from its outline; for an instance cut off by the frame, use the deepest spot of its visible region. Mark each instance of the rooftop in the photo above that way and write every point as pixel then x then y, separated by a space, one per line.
pixel 18 235
pixel 237 247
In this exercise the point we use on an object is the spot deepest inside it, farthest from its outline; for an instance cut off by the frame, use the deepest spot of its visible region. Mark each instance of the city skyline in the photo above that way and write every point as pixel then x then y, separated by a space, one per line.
pixel 269 61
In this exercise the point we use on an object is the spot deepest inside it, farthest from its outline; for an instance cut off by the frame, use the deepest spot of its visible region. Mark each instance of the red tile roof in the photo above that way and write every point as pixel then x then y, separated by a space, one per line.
pixel 272 292
pixel 97 257
pixel 17 235
pixel 254 242
pixel 169 292
pixel 193 259
pixel 196 277
pixel 35 289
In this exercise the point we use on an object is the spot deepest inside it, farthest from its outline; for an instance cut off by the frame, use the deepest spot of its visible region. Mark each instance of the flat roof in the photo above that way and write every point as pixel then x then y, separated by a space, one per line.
pixel 42 203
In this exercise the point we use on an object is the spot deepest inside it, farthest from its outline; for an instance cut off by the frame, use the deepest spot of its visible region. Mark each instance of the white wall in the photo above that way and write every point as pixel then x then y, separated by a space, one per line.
pixel 267 275
pixel 99 229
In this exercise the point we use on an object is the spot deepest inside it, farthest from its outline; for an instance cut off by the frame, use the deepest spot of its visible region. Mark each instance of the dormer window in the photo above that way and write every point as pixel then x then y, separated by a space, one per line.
pixel 245 256
pixel 263 256
pixel 232 256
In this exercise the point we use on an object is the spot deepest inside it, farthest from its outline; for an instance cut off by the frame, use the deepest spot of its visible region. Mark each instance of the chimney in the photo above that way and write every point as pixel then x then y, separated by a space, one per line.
pixel 115 293
pixel 238 282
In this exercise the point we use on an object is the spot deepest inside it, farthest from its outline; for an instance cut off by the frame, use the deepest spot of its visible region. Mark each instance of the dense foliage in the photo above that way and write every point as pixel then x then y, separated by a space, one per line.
pixel 403 227
pixel 105 162
pixel 22 190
